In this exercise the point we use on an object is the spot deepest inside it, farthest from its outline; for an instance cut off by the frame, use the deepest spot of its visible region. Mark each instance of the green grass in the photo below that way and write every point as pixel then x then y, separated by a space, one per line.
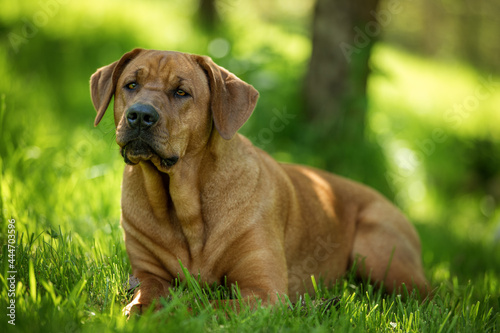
pixel 67 285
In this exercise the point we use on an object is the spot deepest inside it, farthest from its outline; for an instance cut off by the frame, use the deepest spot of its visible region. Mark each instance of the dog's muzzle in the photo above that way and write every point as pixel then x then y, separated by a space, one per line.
pixel 141 116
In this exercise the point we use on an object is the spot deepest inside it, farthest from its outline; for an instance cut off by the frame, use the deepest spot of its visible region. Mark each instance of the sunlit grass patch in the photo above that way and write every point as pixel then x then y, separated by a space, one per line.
pixel 451 96
pixel 63 280
pixel 419 109
pixel 72 182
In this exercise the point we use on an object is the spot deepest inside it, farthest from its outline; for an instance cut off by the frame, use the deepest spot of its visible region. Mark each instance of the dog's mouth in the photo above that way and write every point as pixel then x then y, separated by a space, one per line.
pixel 138 150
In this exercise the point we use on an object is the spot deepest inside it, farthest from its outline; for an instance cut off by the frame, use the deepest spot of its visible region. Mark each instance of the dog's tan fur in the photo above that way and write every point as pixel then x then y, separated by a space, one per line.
pixel 196 191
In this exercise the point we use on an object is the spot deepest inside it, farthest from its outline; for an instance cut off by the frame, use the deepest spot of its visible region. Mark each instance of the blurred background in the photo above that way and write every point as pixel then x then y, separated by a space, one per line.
pixel 401 95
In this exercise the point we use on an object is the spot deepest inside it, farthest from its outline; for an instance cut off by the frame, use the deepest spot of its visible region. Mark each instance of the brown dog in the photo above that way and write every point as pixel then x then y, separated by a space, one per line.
pixel 195 191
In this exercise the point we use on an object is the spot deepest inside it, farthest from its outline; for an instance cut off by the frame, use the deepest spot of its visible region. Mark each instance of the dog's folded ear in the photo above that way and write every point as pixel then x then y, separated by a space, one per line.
pixel 103 83
pixel 232 100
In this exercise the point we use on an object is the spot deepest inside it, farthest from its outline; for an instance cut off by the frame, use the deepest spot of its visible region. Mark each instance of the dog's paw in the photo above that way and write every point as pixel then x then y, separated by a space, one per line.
pixel 137 308
pixel 132 309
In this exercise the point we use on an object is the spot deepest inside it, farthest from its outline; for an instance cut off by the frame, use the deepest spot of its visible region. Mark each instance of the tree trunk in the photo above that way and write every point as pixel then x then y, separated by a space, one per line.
pixel 469 31
pixel 343 34
pixel 207 12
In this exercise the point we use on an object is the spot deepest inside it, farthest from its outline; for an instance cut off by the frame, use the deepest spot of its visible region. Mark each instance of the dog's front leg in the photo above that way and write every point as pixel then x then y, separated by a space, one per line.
pixel 258 267
pixel 148 293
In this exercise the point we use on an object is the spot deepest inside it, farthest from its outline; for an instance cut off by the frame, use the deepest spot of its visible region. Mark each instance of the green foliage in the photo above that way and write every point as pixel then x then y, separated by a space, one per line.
pixel 60 177
pixel 62 287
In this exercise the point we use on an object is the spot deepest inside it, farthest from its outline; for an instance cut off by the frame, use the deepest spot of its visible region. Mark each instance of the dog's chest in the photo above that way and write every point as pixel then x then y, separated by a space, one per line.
pixel 181 246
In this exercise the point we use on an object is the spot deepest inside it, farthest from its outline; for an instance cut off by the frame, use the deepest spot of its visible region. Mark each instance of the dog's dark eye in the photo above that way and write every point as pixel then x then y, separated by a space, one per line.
pixel 181 93
pixel 131 85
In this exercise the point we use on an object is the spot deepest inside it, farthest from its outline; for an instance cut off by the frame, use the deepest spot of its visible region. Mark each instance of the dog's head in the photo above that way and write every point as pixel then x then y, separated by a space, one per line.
pixel 168 104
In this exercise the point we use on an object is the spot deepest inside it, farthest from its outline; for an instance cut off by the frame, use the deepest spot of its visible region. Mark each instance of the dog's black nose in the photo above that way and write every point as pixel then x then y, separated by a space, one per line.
pixel 141 116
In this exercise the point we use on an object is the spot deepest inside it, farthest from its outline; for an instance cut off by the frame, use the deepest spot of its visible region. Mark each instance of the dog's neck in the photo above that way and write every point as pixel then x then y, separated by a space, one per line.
pixel 184 203
pixel 211 166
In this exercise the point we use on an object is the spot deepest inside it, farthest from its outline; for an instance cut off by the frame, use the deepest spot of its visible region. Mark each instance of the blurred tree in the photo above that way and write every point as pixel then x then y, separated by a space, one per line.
pixel 469 28
pixel 449 29
pixel 343 35
pixel 207 12
pixel 336 103
pixel 432 16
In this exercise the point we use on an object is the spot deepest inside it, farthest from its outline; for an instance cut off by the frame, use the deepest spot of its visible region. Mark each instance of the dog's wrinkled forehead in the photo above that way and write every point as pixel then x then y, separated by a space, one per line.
pixel 163 67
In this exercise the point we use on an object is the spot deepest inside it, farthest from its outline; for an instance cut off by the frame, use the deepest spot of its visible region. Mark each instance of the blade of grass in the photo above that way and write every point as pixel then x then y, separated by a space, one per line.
pixel 32 282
